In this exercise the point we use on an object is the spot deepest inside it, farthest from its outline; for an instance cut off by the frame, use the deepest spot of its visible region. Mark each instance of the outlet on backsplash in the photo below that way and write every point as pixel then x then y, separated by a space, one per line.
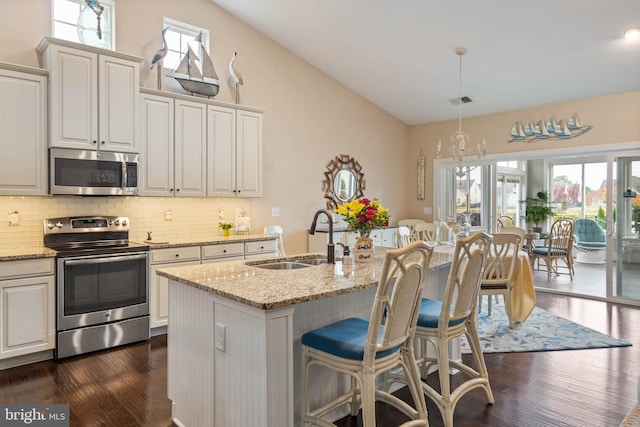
pixel 168 215
pixel 13 217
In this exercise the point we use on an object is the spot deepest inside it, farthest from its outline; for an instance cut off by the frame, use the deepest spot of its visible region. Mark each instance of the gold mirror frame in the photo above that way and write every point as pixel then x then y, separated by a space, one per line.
pixel 343 162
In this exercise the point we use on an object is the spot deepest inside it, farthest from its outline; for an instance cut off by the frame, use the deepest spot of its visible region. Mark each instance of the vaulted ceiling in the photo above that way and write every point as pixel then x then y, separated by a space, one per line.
pixel 400 55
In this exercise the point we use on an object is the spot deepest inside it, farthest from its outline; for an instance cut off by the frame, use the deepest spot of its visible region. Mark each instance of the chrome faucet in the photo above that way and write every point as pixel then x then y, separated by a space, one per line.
pixel 331 251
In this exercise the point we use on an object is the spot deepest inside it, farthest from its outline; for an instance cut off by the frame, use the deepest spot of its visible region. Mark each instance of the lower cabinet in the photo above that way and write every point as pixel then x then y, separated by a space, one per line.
pixel 382 237
pixel 261 249
pixel 159 286
pixel 194 255
pixel 27 301
pixel 222 253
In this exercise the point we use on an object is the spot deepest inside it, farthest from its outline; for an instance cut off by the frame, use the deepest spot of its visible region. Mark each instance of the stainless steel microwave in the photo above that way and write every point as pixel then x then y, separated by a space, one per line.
pixel 92 173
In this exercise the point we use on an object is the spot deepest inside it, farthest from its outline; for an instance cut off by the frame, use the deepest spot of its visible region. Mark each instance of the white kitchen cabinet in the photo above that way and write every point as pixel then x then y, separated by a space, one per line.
pixel 234 144
pixel 173 146
pixel 260 249
pixel 156 146
pixel 382 237
pixel 159 286
pixel 23 131
pixel 27 301
pixel 190 173
pixel 222 252
pixel 93 96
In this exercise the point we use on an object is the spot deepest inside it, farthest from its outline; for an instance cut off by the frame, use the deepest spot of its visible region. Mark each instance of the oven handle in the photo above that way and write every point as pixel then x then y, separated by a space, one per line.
pixel 101 259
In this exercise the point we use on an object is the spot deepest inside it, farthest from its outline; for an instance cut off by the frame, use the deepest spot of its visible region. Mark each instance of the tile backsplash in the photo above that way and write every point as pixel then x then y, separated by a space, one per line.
pixel 191 217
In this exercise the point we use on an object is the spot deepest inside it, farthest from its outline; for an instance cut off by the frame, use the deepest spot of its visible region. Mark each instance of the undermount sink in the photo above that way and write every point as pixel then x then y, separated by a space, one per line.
pixel 284 265
pixel 313 261
pixel 288 264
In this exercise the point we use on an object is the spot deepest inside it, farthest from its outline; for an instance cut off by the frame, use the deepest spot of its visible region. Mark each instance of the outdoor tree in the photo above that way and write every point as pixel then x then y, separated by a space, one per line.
pixel 564 192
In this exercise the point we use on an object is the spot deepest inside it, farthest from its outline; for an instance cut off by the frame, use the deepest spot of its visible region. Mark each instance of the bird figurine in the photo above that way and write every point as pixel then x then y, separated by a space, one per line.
pixel 159 56
pixel 236 76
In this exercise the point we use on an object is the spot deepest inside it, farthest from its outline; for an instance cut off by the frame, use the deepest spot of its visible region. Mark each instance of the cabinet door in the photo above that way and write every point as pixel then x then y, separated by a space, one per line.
pixel 27 323
pixel 118 103
pixel 190 148
pixel 221 152
pixel 159 294
pixel 389 238
pixel 23 141
pixel 156 146
pixel 73 102
pixel 249 154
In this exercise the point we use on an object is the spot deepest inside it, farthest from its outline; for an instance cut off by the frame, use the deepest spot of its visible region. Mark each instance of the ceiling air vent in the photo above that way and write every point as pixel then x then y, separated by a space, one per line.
pixel 463 100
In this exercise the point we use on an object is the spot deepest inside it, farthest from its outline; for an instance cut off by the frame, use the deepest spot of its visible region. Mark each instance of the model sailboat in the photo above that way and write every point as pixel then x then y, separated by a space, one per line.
pixel 196 74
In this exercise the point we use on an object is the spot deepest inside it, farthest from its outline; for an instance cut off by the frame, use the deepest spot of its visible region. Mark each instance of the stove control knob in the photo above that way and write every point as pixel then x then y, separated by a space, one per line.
pixel 49 225
pixel 59 224
pixel 124 222
pixel 117 221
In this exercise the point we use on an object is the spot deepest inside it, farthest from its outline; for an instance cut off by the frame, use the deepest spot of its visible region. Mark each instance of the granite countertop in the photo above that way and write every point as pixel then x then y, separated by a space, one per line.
pixel 26 252
pixel 269 289
pixel 19 251
pixel 216 240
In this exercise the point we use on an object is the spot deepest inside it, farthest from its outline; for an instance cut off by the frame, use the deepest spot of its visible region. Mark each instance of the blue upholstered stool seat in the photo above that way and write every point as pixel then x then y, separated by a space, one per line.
pixel 430 314
pixel 543 250
pixel 345 338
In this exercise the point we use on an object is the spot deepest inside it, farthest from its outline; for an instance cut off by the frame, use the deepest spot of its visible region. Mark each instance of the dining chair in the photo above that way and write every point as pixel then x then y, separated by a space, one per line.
pixel 404 236
pixel 365 349
pixel 441 321
pixel 505 221
pixel 426 231
pixel 557 247
pixel 411 223
pixel 499 269
pixel 276 230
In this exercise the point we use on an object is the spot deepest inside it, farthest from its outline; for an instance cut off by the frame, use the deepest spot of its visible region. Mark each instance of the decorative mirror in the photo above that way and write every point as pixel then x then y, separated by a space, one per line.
pixel 344 181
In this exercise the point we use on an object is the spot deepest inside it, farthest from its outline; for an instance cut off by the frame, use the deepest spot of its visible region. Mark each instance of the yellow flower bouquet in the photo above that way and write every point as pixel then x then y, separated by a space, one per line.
pixel 364 215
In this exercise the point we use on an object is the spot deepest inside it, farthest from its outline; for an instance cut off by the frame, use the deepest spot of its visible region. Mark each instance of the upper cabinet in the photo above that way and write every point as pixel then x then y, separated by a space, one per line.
pixel 234 150
pixel 173 147
pixel 23 131
pixel 93 96
pixel 196 147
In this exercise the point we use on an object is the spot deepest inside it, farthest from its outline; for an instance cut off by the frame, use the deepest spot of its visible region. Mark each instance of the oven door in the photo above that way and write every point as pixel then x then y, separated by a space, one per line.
pixel 94 290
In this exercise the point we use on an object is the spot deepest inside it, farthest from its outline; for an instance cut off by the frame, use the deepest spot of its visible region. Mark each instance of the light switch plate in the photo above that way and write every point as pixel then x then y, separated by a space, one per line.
pixel 275 212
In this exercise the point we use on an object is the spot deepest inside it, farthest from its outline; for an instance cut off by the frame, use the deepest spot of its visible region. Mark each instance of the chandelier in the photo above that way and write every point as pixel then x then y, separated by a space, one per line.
pixel 460 140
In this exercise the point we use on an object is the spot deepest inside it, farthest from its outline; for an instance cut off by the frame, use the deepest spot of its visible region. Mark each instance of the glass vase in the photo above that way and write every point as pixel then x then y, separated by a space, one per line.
pixel 363 250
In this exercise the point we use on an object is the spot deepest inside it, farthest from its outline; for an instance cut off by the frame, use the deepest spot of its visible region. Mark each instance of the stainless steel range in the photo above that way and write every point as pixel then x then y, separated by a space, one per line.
pixel 102 284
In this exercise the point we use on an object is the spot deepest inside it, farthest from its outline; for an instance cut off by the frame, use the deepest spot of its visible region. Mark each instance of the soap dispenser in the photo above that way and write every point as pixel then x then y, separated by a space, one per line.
pixel 347 259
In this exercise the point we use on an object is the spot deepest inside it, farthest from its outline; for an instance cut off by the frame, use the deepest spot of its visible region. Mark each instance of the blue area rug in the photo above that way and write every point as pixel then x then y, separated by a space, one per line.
pixel 542 331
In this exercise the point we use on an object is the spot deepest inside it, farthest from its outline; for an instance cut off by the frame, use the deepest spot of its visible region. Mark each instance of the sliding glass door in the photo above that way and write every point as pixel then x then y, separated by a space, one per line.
pixel 626 241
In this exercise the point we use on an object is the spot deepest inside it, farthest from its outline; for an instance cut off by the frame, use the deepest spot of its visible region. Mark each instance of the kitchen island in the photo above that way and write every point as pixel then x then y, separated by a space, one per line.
pixel 234 335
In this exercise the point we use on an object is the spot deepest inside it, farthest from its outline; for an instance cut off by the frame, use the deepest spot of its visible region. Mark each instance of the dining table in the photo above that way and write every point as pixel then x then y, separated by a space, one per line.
pixel 523 295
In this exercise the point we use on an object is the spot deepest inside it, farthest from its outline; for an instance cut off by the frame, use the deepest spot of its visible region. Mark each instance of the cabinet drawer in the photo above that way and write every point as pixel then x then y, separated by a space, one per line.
pixel 188 253
pixel 26 268
pixel 223 250
pixel 260 246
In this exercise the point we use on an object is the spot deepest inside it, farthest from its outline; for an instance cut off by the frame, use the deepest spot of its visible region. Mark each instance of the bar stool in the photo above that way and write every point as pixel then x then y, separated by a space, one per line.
pixel 365 349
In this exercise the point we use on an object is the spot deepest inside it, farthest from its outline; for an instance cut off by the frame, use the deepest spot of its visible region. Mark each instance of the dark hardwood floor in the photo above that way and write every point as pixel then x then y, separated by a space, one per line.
pixel 127 386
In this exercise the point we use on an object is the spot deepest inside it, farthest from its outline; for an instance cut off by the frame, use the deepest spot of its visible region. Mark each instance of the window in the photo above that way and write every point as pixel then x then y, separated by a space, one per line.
pixel 468 197
pixel 178 37
pixel 75 21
